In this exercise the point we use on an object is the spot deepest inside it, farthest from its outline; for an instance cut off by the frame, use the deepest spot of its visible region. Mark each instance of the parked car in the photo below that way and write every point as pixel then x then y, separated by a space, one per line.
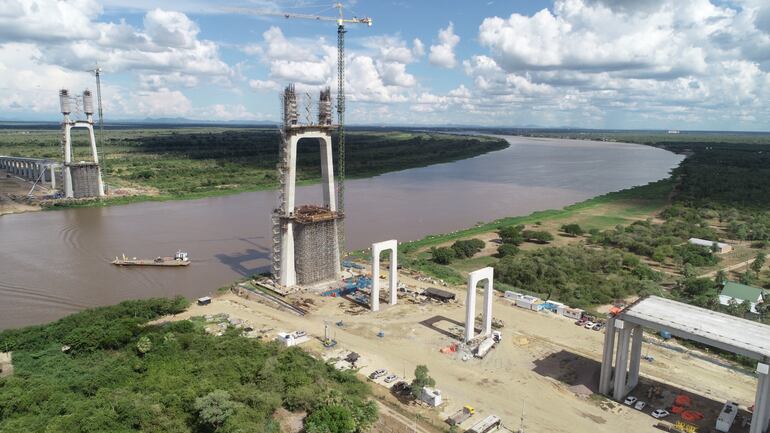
pixel 401 387
pixel 589 325
pixel 597 326
pixel 630 400
pixel 659 413
pixel 581 321
pixel 376 374
pixel 391 378
pixel 640 405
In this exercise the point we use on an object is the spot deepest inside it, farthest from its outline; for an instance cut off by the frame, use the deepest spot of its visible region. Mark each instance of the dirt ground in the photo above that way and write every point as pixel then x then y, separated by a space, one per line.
pixel 13 192
pixel 545 366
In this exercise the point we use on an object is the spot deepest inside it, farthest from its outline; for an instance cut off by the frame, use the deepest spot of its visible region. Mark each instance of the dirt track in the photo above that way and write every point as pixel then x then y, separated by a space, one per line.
pixel 541 357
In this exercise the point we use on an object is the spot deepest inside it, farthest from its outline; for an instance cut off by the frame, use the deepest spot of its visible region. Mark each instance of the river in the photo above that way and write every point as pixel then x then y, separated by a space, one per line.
pixel 55 263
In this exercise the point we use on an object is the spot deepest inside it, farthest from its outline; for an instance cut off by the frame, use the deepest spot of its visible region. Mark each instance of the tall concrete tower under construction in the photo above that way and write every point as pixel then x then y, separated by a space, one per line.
pixel 305 247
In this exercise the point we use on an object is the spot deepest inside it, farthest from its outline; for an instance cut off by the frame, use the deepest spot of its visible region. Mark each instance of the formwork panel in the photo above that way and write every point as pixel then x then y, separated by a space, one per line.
pixel 85 180
pixel 316 252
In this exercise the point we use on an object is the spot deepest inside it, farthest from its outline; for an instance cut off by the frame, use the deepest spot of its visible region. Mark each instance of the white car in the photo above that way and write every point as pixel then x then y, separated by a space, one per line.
pixel 378 374
pixel 640 405
pixel 391 378
pixel 589 325
pixel 630 400
pixel 659 413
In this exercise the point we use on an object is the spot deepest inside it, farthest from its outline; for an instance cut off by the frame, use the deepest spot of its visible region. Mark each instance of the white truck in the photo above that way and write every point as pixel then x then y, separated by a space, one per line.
pixel 727 416
pixel 486 425
pixel 487 344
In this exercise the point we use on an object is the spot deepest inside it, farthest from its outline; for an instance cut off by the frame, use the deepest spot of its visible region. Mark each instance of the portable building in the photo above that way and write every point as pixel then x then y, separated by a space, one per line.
pixel 570 313
pixel 204 300
pixel 553 306
pixel 431 396
pixel 530 303
pixel 513 296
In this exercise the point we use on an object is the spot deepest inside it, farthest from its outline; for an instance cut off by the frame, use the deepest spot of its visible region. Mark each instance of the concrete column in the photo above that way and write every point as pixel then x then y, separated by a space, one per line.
pixel 486 275
pixel 66 172
pixel 605 377
pixel 470 309
pixel 621 364
pixel 760 416
pixel 377 249
pixel 636 358
pixel 52 172
pixel 327 174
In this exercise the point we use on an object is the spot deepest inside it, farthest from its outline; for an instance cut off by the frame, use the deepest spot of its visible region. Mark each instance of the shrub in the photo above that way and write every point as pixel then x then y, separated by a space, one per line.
pixel 572 229
pixel 467 248
pixel 443 255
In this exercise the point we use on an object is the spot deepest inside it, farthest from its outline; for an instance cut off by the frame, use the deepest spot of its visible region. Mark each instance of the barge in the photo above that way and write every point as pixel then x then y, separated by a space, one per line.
pixel 179 259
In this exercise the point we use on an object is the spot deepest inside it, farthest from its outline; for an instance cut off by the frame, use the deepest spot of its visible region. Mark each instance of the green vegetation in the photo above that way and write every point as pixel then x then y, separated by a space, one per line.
pixel 421 380
pixel 121 374
pixel 463 249
pixel 637 242
pixel 577 275
pixel 573 229
pixel 195 162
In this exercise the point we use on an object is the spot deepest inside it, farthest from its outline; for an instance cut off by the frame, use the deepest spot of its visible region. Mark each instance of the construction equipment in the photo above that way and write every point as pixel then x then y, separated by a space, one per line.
pixel 488 424
pixel 341 21
pixel 461 415
pixel 98 73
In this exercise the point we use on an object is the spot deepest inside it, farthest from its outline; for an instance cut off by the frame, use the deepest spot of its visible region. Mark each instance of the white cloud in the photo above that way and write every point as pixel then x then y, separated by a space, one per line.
pixel 443 54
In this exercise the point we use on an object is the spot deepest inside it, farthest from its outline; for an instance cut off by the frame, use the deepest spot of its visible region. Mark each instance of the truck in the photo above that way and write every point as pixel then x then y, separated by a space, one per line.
pixel 484 347
pixel 461 415
pixel 727 416
pixel 486 425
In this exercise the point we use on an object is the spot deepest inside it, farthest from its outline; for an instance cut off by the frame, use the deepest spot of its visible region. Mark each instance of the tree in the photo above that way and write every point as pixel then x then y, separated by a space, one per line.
pixel 144 345
pixel 759 261
pixel 511 235
pixel 330 419
pixel 572 229
pixel 442 255
pixel 214 408
pixel 467 248
pixel 507 250
pixel 421 380
pixel 720 277
pixel 541 237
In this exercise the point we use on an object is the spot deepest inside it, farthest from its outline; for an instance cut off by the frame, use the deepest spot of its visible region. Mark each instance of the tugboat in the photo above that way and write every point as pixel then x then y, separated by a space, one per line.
pixel 179 259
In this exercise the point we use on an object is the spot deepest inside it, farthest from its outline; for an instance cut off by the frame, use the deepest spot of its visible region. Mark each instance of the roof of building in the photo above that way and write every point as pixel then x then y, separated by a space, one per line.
pixel 741 291
pixel 438 293
pixel 707 243
pixel 741 336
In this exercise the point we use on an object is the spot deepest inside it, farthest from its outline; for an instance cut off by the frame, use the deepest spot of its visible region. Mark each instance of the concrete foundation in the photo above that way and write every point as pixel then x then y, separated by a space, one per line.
pixel 86 180
pixel 377 249
pixel 486 275
pixel 317 256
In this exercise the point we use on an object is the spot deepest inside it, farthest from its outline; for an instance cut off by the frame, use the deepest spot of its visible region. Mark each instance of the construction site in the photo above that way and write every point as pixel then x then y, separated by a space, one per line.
pixel 28 182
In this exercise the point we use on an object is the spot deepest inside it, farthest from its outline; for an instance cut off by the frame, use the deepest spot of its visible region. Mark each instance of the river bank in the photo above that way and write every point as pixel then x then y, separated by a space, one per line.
pixel 191 163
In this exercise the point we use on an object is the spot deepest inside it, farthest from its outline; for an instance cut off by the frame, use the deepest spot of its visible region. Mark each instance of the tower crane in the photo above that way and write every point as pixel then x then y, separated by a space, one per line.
pixel 341 21
pixel 97 71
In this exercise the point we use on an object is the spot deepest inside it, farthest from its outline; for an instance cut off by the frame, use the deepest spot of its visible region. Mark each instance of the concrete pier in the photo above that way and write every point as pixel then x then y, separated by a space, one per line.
pixel 474 278
pixel 722 331
pixel 377 249
pixel 42 171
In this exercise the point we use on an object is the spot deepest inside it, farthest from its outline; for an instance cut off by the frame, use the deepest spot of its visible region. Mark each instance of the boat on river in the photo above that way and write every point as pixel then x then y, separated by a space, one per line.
pixel 180 259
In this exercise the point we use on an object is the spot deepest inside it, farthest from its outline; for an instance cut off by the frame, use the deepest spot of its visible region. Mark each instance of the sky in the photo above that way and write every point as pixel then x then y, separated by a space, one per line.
pixel 626 64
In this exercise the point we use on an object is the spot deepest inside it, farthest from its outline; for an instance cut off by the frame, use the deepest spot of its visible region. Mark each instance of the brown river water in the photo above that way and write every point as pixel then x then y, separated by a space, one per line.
pixel 55 263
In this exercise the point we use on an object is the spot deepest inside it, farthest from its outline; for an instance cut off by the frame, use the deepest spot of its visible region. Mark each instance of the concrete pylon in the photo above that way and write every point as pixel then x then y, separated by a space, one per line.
pixel 759 420
pixel 377 249
pixel 486 275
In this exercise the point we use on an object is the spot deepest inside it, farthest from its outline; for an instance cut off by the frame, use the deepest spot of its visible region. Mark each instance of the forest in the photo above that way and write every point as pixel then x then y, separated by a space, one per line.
pixel 108 370
pixel 189 162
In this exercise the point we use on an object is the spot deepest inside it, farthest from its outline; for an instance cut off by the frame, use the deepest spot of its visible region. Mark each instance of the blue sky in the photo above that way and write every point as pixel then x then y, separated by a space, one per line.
pixel 687 64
